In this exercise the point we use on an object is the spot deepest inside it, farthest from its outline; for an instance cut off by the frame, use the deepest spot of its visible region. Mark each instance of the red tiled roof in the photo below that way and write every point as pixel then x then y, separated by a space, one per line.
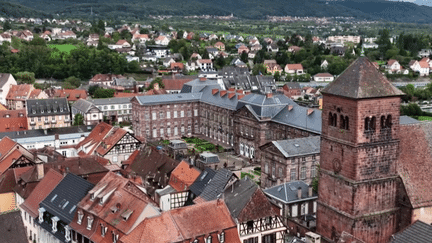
pixel 131 158
pixel 110 140
pixel 297 66
pixel 13 120
pixel 415 163
pixel 183 176
pixel 176 83
pixel 391 62
pixel 95 137
pixel 71 94
pixel 205 61
pixel 35 94
pixel 187 224
pixel 323 75
pixel 126 197
pixel 121 42
pixel 19 92
pixel 178 65
pixel 122 94
pixel 105 77
pixel 44 187
pixel 219 44
pixel 424 64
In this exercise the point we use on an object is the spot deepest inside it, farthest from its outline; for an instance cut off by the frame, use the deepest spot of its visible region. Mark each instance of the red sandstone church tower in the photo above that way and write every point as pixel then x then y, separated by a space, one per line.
pixel 359 152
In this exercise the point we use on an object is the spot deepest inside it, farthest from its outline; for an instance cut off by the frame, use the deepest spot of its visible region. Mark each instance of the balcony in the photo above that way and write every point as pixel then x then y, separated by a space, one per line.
pixel 46 122
pixel 53 121
pixel 32 123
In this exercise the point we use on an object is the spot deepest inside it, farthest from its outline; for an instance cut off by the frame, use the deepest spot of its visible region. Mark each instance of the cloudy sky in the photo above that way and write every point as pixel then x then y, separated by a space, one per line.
pixel 419 2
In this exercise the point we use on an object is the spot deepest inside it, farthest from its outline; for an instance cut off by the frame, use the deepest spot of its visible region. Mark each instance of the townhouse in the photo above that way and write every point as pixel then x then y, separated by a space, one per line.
pixel 48 113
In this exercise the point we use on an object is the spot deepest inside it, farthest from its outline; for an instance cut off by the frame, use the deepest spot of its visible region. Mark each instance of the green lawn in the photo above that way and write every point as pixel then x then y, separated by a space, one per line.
pixel 63 48
pixel 424 118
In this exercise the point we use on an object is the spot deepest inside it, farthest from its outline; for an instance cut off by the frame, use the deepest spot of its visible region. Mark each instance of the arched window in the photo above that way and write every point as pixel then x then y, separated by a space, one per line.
pixel 372 125
pixel 342 122
pixel 383 122
pixel 346 123
pixel 389 121
pixel 334 120
pixel 330 119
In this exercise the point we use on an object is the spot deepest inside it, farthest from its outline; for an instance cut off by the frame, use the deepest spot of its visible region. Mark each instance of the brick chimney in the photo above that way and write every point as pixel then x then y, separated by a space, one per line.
pixel 299 193
pixel 40 171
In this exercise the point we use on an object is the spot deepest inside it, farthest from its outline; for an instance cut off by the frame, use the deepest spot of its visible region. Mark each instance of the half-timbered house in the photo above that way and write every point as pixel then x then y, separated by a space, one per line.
pixel 112 143
pixel 14 155
pixel 258 220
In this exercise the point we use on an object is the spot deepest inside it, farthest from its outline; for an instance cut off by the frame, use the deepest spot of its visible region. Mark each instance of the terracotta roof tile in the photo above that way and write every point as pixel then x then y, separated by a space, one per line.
pixel 13 120
pixel 186 224
pixel 415 160
pixel 105 77
pixel 71 94
pixel 19 92
pixel 183 176
pixel 323 75
pixel 42 190
pixel 424 64
pixel 294 66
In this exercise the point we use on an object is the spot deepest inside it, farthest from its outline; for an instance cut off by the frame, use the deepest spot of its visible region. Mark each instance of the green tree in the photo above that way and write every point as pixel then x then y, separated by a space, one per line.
pixel 244 57
pixel 78 120
pixel 25 77
pixel 72 82
pixel 7 26
pixel 259 69
pixel 104 93
pixel 92 89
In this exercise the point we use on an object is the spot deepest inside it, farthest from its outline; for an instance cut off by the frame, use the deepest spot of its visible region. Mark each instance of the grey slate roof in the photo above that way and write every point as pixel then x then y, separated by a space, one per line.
pixel 417 232
pixel 263 107
pixel 197 85
pixel 47 107
pixel 12 228
pixel 228 71
pixel 209 158
pixel 247 82
pixel 405 120
pixel 238 195
pixel 200 183
pixel 293 85
pixel 216 186
pixel 47 132
pixel 83 105
pixel 168 98
pixel 216 100
pixel 62 201
pixel 361 80
pixel 287 192
pixel 298 117
pixel 298 146
pixel 112 101
pixel 4 78
pixel 125 82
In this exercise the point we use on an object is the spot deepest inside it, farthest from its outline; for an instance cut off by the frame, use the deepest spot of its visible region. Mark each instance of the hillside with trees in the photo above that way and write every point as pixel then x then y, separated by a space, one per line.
pixel 253 9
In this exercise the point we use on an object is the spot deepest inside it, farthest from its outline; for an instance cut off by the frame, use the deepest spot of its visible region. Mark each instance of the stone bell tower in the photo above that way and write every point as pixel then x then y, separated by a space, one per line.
pixel 359 152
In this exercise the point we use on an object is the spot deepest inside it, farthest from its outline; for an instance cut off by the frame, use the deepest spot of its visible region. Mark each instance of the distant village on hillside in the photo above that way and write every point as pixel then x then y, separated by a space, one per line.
pixel 211 138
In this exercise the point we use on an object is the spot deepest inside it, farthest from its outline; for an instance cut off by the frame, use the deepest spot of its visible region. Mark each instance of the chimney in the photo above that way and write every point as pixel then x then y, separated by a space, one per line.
pixel 310 111
pixel 40 171
pixel 310 192
pixel 269 95
pixel 299 193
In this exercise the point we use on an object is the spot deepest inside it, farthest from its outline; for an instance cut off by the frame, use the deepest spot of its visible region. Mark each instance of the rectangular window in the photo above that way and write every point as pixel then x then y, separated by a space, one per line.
pixel 147 116
pixel 161 132
pixel 293 174
pixel 168 114
pixel 175 114
pixel 161 115
pixel 195 112
pixel 181 113
pixel 303 173
pixel 154 116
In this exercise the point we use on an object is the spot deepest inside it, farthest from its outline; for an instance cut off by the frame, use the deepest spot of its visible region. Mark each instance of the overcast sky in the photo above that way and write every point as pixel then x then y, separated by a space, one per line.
pixel 419 2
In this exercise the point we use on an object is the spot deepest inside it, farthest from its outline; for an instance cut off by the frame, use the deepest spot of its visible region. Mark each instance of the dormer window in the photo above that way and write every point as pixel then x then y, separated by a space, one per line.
pixel 80 217
pixel 115 237
pixel 126 214
pixel 222 237
pixel 89 222
pixel 209 239
pixel 103 230
pixel 54 220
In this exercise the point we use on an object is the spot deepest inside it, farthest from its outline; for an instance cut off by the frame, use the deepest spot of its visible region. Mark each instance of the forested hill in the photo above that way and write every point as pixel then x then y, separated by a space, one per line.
pixel 252 9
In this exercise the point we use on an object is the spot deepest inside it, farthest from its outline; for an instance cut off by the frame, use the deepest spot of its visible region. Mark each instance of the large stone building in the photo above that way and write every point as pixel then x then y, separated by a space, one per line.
pixel 48 113
pixel 232 118
pixel 359 152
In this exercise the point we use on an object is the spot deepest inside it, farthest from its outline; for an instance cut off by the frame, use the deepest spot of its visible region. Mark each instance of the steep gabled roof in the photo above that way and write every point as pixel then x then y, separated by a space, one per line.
pixel 414 164
pixel 44 187
pixel 183 176
pixel 361 80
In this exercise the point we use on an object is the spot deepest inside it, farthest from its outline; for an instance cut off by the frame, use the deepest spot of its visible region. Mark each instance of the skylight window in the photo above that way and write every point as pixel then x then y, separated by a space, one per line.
pixel 72 209
pixel 53 198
